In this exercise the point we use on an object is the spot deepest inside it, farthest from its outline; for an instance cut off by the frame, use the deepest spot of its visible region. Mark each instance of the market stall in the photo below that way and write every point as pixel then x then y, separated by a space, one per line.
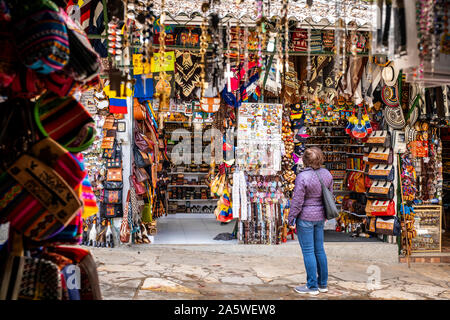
pixel 131 120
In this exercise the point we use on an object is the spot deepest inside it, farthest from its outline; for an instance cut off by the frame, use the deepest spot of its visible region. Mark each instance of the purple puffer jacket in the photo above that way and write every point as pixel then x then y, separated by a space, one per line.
pixel 306 202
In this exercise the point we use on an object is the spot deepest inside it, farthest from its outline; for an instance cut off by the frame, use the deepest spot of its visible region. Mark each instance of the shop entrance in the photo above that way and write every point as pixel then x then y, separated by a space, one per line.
pixel 190 206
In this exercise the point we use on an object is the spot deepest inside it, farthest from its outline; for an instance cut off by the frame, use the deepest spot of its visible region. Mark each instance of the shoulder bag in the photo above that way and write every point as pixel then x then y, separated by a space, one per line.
pixel 329 202
pixel 381 190
pixel 125 230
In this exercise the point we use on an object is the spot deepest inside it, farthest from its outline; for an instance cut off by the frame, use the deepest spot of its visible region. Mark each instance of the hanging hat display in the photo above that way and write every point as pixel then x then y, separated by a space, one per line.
pixel 389 95
pixel 390 74
pixel 394 117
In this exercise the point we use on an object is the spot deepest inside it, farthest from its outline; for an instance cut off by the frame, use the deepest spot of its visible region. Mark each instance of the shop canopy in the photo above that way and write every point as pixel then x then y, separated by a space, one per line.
pixel 321 14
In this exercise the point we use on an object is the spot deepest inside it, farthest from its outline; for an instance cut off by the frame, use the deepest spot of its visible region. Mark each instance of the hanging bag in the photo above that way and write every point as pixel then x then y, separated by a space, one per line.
pixel 125 230
pixel 381 155
pixel 112 196
pixel 42 40
pixel 388 226
pixel 66 121
pixel 114 174
pixel 380 138
pixel 380 172
pixel 380 208
pixel 329 203
pixel 381 190
pixel 139 110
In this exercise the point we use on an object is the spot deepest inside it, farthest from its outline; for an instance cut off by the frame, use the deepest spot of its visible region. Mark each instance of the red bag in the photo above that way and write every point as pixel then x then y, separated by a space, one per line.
pixel 140 189
pixel 380 208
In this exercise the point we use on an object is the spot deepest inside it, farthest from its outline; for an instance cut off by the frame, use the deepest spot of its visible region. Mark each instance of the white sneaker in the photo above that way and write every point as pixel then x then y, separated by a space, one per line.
pixel 323 290
pixel 304 289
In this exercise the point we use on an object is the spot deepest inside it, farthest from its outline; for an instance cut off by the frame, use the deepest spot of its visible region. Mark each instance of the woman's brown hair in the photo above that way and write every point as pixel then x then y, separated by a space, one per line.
pixel 313 157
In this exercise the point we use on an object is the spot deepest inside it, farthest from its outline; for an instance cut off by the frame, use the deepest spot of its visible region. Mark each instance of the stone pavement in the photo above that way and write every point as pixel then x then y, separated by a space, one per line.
pixel 159 272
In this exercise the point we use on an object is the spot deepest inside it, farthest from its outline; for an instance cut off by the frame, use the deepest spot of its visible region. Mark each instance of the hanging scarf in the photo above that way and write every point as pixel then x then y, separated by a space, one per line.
pixel 239 193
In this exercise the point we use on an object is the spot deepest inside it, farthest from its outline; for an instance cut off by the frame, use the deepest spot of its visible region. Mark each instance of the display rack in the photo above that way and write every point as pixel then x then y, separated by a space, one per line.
pixel 427 222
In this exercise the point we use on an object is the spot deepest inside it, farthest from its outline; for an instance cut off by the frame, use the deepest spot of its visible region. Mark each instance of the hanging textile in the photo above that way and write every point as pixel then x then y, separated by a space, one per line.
pixel 188 74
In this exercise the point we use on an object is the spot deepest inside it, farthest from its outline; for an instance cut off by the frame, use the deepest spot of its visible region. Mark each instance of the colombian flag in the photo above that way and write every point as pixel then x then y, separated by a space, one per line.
pixel 118 105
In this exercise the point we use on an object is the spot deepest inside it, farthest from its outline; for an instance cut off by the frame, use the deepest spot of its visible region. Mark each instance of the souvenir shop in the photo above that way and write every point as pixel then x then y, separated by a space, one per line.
pixel 151 122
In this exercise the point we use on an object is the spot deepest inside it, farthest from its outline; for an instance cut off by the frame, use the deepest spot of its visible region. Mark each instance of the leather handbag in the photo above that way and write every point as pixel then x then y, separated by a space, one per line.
pixel 381 190
pixel 329 203
pixel 388 226
pixel 142 143
pixel 380 172
pixel 114 174
pixel 139 110
pixel 380 208
pixel 112 196
pixel 141 174
pixel 380 138
pixel 138 186
pixel 140 158
pixel 381 155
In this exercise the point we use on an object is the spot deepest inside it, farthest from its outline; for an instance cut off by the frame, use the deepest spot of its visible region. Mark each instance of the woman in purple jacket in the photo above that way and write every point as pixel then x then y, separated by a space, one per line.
pixel 308 214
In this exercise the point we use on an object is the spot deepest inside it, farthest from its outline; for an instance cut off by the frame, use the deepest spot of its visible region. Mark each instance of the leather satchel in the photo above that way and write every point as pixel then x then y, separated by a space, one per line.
pixel 141 174
pixel 381 190
pixel 138 110
pixel 380 208
pixel 329 203
pixel 141 159
pixel 380 138
pixel 138 186
pixel 114 174
pixel 381 155
pixel 380 172
pixel 388 226
pixel 142 143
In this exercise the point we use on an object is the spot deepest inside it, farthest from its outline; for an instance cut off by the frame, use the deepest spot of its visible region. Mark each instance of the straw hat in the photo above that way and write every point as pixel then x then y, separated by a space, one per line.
pixel 390 74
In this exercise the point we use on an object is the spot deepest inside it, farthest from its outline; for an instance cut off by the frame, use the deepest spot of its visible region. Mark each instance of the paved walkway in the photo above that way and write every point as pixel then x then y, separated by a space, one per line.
pixel 158 272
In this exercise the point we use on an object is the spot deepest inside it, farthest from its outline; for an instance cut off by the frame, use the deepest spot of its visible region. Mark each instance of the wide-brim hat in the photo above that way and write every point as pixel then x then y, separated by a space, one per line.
pixel 389 95
pixel 390 74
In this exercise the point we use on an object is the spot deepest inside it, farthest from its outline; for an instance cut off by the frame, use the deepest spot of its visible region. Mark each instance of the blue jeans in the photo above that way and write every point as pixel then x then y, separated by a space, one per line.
pixel 310 237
